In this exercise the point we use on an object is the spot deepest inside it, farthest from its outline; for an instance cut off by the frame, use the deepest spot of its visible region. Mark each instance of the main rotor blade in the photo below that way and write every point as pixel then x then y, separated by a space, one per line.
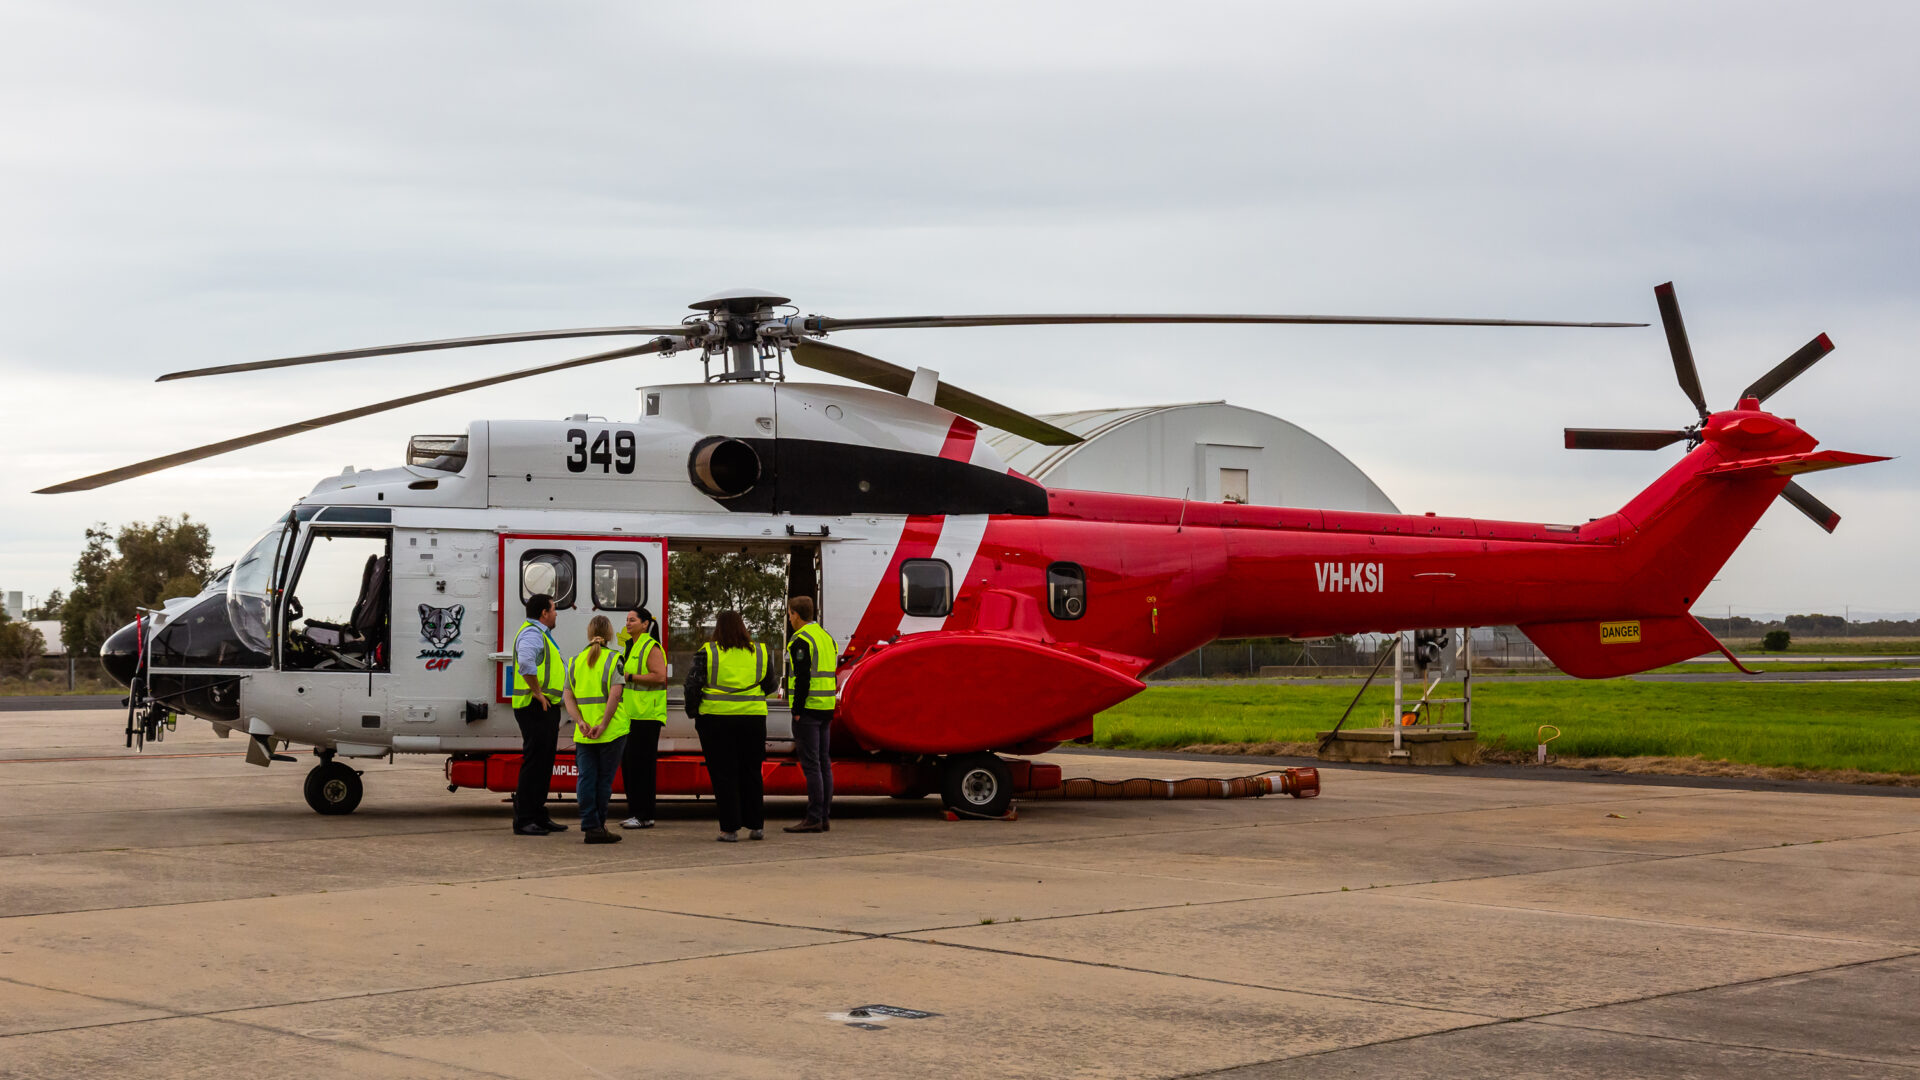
pixel 876 372
pixel 1789 369
pixel 1803 501
pixel 1620 438
pixel 912 322
pixel 1683 365
pixel 425 346
pixel 127 472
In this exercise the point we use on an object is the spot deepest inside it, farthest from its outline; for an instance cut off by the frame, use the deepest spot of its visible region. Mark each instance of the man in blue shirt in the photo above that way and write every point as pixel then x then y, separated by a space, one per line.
pixel 536 708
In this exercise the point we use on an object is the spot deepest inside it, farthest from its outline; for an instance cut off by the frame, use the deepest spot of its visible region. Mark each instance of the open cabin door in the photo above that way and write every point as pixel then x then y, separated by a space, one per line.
pixel 586 576
pixel 333 640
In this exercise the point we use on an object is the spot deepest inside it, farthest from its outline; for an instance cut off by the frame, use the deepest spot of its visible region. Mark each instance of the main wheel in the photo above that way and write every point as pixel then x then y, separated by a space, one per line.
pixel 333 788
pixel 977 784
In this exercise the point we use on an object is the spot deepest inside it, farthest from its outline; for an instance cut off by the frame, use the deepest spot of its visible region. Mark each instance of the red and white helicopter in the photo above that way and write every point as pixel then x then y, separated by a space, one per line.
pixel 982 613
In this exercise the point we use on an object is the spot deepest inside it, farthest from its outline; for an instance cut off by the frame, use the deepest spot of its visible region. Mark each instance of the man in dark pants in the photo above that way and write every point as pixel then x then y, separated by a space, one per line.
pixel 811 685
pixel 539 678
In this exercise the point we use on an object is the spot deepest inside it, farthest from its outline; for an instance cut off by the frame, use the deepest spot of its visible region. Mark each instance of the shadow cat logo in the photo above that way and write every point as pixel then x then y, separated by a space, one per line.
pixel 439 628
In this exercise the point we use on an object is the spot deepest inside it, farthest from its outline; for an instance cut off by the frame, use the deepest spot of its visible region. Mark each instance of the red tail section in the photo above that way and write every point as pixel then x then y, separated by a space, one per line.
pixel 1679 532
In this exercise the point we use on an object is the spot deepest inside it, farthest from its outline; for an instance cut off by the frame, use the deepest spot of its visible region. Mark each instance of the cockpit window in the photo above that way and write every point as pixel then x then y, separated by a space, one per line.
pixel 250 589
pixel 336 609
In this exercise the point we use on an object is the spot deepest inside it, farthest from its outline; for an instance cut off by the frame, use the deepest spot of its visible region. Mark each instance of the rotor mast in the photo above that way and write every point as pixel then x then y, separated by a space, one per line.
pixel 742 328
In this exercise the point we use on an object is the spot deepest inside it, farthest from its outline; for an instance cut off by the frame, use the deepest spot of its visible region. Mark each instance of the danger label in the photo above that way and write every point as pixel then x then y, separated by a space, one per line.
pixel 1620 633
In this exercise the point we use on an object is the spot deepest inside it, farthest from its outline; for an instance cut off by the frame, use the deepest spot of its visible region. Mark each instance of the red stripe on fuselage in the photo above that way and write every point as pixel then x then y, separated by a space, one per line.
pixel 959 445
pixel 882 617
pixel 917 539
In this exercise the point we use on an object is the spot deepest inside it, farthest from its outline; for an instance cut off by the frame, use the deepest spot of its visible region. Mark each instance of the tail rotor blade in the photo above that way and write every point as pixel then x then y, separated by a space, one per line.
pixel 1789 369
pixel 1804 501
pixel 1683 365
pixel 1621 438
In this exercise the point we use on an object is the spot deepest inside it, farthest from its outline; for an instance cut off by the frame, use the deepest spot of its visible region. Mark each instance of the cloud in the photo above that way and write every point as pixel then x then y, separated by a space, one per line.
pixel 203 183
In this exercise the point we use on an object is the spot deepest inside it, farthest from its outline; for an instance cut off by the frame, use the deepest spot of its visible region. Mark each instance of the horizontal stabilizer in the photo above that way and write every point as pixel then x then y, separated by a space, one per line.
pixel 1794 464
pixel 1603 648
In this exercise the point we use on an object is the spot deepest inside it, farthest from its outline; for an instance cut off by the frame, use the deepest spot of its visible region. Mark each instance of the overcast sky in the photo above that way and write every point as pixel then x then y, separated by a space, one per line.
pixel 186 184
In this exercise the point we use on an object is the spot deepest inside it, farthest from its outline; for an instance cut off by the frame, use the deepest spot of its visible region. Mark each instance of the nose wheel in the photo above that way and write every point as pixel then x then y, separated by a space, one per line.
pixel 333 788
pixel 978 785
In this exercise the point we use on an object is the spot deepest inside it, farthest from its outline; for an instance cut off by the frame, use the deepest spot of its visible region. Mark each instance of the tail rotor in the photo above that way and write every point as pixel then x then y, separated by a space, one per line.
pixel 1688 375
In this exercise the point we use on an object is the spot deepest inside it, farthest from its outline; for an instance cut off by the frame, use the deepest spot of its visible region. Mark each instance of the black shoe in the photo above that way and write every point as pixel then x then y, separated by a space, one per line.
pixel 553 826
pixel 531 830
pixel 602 836
pixel 826 826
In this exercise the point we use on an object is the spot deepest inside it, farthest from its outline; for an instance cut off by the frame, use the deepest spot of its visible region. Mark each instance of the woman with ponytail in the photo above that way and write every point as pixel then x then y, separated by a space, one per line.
pixel 592 701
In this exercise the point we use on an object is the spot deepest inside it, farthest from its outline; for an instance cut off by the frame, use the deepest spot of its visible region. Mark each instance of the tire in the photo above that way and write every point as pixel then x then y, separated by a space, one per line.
pixel 333 788
pixel 978 785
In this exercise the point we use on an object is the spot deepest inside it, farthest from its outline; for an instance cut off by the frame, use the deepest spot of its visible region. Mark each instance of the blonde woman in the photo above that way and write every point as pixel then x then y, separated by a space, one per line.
pixel 592 702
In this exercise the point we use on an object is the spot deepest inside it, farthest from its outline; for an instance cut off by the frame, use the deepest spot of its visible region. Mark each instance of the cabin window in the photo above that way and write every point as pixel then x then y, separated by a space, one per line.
pixel 619 580
pixel 549 572
pixel 926 588
pixel 1066 590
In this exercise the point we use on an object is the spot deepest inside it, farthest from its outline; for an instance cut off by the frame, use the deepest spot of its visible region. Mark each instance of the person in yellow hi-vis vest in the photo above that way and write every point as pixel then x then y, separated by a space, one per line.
pixel 727 697
pixel 811 687
pixel 592 701
pixel 643 667
pixel 538 675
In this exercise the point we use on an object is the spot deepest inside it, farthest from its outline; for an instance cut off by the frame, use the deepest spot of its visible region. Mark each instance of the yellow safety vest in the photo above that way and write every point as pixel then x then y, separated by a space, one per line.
pixel 733 681
pixel 819 692
pixel 637 703
pixel 592 685
pixel 553 668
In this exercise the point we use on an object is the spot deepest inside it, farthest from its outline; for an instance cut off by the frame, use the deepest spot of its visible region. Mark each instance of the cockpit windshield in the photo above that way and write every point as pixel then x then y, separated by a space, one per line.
pixel 250 588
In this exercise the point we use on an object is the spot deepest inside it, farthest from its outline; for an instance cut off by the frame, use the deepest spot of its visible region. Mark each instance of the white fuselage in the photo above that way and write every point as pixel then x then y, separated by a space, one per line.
pixel 598 492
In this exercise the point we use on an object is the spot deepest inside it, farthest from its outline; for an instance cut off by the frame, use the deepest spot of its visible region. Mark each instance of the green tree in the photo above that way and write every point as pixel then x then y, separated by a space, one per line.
pixel 703 585
pixel 140 566
pixel 48 608
pixel 20 646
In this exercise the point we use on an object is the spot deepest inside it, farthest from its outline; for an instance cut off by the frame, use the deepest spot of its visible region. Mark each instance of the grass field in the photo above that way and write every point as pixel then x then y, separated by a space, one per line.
pixel 1843 646
pixel 1874 727
pixel 1722 667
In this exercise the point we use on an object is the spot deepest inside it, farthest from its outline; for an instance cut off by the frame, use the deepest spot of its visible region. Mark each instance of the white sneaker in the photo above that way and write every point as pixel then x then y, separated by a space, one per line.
pixel 636 823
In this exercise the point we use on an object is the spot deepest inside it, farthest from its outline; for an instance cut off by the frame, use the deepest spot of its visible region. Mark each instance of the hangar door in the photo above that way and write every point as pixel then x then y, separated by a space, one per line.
pixel 586 576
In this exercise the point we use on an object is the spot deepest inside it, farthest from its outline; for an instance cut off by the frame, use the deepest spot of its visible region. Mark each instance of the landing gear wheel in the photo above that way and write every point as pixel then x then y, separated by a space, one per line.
pixel 979 785
pixel 333 788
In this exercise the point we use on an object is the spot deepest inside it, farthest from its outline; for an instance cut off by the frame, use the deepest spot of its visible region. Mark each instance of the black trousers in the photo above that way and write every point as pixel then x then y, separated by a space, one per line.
pixel 812 734
pixel 539 736
pixel 639 767
pixel 734 747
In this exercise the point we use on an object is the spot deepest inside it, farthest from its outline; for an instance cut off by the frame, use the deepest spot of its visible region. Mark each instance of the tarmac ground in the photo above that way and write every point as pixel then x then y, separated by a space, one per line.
pixel 181 913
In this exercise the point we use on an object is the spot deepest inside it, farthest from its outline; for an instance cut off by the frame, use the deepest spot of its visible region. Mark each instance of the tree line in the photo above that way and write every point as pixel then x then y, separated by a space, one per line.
pixel 139 565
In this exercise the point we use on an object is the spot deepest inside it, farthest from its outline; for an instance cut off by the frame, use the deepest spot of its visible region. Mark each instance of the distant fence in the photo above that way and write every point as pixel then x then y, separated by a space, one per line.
pixel 56 676
pixel 1336 657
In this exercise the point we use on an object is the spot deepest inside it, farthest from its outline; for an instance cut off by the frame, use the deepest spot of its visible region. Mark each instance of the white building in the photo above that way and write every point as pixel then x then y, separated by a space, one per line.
pixel 1207 451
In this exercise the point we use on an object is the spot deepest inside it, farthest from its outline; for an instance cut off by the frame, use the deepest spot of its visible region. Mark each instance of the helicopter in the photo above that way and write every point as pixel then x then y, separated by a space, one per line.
pixel 985 616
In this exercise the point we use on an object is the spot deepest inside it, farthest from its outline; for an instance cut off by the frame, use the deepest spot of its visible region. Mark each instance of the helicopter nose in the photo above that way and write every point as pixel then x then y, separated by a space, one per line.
pixel 120 653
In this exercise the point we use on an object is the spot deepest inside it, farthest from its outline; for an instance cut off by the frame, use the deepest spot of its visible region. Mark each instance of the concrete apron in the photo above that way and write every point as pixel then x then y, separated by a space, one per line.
pixel 162 916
